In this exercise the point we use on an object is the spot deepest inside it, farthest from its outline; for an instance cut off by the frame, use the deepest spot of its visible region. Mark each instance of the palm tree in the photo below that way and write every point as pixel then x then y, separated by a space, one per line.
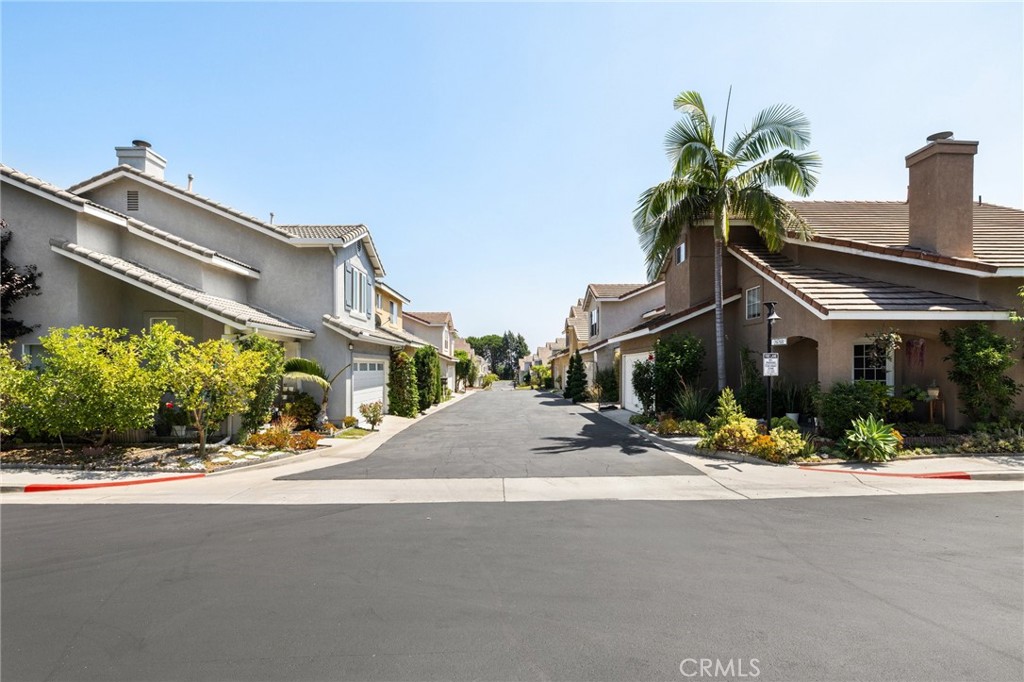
pixel 710 186
pixel 308 369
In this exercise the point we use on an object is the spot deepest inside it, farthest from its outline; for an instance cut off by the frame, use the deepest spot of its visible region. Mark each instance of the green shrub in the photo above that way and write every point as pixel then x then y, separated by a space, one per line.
pixel 268 383
pixel 788 443
pixel 980 359
pixel 694 403
pixel 428 376
pixel 846 401
pixel 576 379
pixel 678 361
pixel 727 411
pixel 304 409
pixel 607 381
pixel 751 393
pixel 690 427
pixel 871 440
pixel 403 394
pixel 918 429
pixel 489 379
pixel 644 383
pixel 349 421
pixel 373 413
pixel 737 435
pixel 785 423
pixel 667 427
pixel 641 419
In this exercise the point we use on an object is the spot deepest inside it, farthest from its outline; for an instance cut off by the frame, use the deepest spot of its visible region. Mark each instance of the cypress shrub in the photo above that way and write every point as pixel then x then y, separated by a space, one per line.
pixel 428 375
pixel 403 396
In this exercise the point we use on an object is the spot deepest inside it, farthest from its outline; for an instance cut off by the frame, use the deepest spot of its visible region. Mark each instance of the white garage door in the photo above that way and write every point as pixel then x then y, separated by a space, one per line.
pixel 367 383
pixel 629 399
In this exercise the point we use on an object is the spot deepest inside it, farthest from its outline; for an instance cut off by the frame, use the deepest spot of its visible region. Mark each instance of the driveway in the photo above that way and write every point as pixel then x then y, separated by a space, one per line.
pixel 510 434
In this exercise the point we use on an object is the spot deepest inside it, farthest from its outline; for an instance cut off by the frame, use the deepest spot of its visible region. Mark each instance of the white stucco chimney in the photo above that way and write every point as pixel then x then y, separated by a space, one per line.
pixel 140 155
pixel 941 195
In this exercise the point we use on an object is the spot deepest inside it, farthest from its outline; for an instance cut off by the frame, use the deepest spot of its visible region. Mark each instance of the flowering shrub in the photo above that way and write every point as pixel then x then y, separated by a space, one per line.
pixel 303 440
pixel 373 413
pixel 349 421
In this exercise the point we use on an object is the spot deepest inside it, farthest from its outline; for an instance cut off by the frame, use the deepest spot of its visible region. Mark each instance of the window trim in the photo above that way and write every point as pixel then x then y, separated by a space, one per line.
pixel 890 373
pixel 680 253
pixel 595 321
pixel 171 320
pixel 746 302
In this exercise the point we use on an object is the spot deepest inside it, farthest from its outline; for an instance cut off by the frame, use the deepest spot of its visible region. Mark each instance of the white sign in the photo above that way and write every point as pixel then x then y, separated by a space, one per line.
pixel 779 342
pixel 771 364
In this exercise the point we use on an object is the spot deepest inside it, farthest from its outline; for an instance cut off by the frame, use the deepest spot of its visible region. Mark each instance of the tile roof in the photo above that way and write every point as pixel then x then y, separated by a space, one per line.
pixel 241 314
pixel 829 292
pixel 345 233
pixel 42 185
pixel 667 319
pixel 430 318
pixel 614 290
pixel 883 227
pixel 409 338
pixel 169 238
pixel 378 335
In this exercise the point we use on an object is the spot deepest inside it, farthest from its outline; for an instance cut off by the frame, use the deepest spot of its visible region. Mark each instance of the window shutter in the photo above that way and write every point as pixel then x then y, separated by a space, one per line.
pixel 369 297
pixel 349 289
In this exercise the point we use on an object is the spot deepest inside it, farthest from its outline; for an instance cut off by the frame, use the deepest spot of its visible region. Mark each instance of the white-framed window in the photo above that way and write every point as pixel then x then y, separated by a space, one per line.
pixel 35 352
pixel 380 302
pixel 680 253
pixel 393 312
pixel 594 319
pixel 866 367
pixel 358 294
pixel 446 339
pixel 157 319
pixel 753 298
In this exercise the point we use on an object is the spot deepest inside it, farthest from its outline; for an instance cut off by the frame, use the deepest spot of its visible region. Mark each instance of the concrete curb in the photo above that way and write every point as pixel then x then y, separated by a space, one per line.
pixel 51 487
pixel 949 475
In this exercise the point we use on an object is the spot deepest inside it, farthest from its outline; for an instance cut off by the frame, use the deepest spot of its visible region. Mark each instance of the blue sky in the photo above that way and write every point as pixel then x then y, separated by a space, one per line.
pixel 496 151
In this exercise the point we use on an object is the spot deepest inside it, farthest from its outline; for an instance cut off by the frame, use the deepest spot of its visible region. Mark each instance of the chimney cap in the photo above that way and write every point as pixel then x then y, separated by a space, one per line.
pixel 944 135
pixel 141 143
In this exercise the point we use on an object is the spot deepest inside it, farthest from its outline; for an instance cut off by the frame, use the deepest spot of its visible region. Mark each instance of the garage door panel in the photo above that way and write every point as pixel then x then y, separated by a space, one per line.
pixel 367 383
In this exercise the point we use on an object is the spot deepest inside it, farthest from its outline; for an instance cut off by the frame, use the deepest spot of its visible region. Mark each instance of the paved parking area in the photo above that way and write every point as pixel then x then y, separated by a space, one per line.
pixel 510 434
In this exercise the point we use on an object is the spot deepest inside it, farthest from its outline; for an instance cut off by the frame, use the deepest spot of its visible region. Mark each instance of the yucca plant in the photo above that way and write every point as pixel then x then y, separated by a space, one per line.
pixel 694 404
pixel 871 440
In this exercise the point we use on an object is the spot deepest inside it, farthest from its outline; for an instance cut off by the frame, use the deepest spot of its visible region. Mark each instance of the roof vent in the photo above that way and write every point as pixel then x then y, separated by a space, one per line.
pixel 944 135
pixel 141 143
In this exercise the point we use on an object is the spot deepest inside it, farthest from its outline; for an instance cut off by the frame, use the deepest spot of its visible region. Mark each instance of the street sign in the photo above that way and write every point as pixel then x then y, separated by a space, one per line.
pixel 771 364
pixel 779 342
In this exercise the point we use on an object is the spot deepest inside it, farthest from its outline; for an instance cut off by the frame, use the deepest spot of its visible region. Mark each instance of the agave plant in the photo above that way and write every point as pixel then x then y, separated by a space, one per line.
pixel 871 440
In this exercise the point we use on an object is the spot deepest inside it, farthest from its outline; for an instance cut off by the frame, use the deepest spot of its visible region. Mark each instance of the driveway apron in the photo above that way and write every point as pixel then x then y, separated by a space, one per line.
pixel 510 434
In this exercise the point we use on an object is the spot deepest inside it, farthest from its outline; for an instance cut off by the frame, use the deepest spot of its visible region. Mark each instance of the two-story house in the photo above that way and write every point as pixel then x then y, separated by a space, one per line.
pixel 127 248
pixel 611 309
pixel 438 329
pixel 939 260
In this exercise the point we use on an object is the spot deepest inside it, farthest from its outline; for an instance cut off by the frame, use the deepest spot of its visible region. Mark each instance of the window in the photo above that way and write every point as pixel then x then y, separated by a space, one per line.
pixel 754 303
pixel 593 321
pixel 35 353
pixel 133 200
pixel 867 367
pixel 173 321
pixel 680 253
pixel 446 339
pixel 358 291
pixel 380 302
pixel 393 312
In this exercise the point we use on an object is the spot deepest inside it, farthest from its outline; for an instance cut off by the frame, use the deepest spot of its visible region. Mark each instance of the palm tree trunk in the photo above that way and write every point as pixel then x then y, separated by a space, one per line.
pixel 719 316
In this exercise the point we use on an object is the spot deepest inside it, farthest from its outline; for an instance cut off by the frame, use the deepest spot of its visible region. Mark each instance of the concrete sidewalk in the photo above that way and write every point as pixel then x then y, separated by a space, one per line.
pixel 331 451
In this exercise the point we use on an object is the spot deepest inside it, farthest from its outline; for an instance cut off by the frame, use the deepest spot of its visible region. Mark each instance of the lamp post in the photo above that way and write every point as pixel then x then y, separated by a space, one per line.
pixel 772 317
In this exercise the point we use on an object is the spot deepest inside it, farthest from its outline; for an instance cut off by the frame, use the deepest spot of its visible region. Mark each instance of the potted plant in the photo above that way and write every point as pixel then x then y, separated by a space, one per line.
pixel 177 418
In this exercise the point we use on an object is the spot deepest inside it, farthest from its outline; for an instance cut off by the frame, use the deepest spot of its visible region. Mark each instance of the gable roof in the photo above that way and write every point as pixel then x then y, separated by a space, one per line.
pixel 836 295
pixel 613 290
pixel 883 228
pixel 41 186
pixel 228 311
pixel 378 336
pixel 297 235
pixel 431 319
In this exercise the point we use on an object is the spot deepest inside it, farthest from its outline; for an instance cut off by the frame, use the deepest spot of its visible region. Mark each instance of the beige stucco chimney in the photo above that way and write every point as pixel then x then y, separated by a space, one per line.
pixel 141 156
pixel 941 196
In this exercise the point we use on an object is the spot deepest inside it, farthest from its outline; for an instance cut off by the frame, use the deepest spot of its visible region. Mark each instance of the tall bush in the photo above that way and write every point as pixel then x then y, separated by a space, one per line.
pixel 607 381
pixel 980 360
pixel 576 379
pixel 268 383
pixel 678 360
pixel 428 376
pixel 403 396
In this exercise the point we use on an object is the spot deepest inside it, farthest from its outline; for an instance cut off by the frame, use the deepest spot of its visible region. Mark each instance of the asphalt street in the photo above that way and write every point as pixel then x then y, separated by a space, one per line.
pixel 510 434
pixel 899 588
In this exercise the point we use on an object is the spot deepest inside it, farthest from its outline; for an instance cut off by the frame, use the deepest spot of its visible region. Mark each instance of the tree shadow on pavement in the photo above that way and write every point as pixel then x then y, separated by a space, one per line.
pixel 599 433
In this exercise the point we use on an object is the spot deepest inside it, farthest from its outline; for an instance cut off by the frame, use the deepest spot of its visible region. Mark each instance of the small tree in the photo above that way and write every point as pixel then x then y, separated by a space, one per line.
pixel 980 359
pixel 428 376
pixel 16 283
pixel 540 375
pixel 213 380
pixel 308 369
pixel 644 384
pixel 576 379
pixel 678 361
pixel 463 367
pixel 268 383
pixel 403 397
pixel 373 413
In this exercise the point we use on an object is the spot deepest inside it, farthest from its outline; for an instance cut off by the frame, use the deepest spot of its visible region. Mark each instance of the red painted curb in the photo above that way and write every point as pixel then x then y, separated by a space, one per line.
pixel 956 475
pixel 50 487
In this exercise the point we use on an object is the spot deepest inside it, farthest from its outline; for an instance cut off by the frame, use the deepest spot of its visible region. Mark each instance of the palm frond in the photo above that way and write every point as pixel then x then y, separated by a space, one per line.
pixel 797 172
pixel 663 213
pixel 770 215
pixel 777 126
pixel 692 104
pixel 692 148
pixel 306 369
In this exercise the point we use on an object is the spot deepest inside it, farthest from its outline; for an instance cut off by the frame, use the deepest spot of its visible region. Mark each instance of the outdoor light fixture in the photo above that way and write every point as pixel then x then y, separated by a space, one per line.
pixel 350 346
pixel 772 318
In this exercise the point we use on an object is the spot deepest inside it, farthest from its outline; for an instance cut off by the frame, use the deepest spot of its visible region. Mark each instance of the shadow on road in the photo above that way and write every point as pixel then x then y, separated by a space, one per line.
pixel 599 433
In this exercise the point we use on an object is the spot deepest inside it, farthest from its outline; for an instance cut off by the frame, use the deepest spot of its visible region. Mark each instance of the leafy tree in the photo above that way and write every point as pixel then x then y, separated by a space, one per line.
pixel 428 376
pixel 373 413
pixel 980 359
pixel 268 383
pixel 540 375
pixel 502 353
pixel 308 369
pixel 16 382
pixel 576 379
pixel 95 382
pixel 488 347
pixel 713 185
pixel 465 368
pixel 403 396
pixel 16 283
pixel 213 380
pixel 644 384
pixel 678 361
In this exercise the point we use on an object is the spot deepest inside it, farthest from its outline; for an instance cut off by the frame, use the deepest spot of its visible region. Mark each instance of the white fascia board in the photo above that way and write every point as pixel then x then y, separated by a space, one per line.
pixel 642 290
pixel 817 313
pixel 42 193
pixel 185 304
pixel 211 260
pixel 653 313
pixel 1009 272
pixel 923 315
pixel 97 212
pixel 896 259
pixel 386 287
